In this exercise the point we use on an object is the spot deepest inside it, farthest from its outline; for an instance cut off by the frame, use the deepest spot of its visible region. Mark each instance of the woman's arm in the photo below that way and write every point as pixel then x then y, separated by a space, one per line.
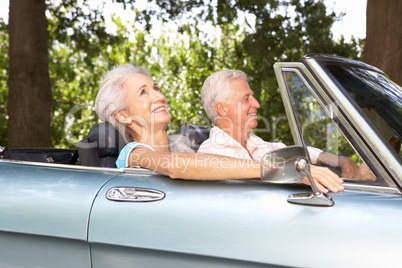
pixel 195 166
pixel 202 166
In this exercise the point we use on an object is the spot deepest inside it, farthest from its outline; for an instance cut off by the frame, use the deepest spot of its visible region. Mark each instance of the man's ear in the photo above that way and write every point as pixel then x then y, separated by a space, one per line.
pixel 220 108
pixel 123 117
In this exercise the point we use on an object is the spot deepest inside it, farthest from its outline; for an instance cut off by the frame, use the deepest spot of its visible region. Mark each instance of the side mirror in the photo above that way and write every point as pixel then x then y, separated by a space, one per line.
pixel 288 165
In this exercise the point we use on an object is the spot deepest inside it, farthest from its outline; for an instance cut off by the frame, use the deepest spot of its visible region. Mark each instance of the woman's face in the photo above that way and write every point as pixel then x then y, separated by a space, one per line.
pixel 146 105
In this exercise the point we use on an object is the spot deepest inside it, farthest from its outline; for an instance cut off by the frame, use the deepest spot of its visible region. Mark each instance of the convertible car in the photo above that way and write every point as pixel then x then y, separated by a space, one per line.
pixel 74 208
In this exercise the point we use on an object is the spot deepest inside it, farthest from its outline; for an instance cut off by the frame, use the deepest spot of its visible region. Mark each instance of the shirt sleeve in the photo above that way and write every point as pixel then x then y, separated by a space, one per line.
pixel 122 159
pixel 314 153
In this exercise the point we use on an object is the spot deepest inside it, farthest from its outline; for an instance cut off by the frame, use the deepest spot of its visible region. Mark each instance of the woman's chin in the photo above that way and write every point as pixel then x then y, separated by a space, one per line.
pixel 160 120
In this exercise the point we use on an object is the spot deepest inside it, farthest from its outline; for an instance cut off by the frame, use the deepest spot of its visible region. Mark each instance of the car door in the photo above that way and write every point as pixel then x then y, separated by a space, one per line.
pixel 240 224
pixel 44 213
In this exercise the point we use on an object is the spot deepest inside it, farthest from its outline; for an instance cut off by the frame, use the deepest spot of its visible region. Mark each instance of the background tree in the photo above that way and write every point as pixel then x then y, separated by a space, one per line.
pixel 383 47
pixel 29 98
pixel 3 82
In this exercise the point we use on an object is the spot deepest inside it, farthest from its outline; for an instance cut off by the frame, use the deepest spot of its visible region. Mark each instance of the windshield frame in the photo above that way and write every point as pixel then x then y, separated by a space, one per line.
pixel 378 145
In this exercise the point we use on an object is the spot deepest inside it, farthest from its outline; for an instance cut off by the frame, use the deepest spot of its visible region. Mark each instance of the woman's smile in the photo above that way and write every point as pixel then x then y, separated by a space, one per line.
pixel 160 109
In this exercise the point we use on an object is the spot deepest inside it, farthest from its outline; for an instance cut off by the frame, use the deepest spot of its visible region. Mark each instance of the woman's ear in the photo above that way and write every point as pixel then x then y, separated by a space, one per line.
pixel 220 108
pixel 123 117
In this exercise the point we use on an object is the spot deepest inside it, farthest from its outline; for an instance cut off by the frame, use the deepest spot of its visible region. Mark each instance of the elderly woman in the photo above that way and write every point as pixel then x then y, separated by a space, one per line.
pixel 131 101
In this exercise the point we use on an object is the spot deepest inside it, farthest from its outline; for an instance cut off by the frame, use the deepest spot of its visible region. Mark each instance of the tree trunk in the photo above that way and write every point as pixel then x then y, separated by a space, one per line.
pixel 383 47
pixel 29 103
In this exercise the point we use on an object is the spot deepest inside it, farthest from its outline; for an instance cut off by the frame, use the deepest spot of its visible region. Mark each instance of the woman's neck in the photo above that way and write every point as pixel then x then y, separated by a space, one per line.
pixel 157 138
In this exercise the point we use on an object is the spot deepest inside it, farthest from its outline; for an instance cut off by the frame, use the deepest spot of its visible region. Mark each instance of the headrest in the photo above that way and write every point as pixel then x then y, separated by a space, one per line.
pixel 105 139
pixel 195 133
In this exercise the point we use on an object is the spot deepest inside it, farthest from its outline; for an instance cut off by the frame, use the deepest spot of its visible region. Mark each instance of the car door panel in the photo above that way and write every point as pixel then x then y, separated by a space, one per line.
pixel 25 250
pixel 44 214
pixel 249 222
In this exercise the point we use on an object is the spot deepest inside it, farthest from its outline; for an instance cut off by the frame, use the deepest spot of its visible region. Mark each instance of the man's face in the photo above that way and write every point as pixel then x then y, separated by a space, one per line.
pixel 241 109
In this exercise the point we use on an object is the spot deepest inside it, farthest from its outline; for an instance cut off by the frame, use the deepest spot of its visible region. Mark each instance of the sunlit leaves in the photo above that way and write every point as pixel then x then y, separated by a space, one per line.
pixel 81 51
pixel 3 82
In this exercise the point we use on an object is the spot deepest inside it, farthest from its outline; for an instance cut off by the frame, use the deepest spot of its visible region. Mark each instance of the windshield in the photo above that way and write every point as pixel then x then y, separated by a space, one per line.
pixel 378 97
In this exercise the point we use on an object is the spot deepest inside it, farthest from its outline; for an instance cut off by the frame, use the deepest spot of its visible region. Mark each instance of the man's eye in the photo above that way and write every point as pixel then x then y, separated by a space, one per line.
pixel 157 88
pixel 143 92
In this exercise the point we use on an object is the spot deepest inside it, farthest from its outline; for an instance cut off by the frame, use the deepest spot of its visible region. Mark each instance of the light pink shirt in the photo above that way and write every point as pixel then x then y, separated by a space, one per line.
pixel 221 143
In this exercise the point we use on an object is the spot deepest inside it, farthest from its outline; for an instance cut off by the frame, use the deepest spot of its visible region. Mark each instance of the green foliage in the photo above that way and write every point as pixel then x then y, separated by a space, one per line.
pixel 75 76
pixel 3 82
pixel 283 31
pixel 185 63
pixel 81 51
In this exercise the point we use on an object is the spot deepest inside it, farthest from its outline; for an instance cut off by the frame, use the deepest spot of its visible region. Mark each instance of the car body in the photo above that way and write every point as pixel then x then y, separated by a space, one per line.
pixel 70 215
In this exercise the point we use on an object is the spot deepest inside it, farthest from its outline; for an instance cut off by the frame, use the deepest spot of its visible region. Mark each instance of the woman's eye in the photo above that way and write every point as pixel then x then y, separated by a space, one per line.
pixel 157 88
pixel 143 92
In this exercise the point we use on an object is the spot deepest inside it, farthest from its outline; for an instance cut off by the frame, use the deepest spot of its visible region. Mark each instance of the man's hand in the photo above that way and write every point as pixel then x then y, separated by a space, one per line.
pixel 325 179
pixel 364 173
pixel 348 166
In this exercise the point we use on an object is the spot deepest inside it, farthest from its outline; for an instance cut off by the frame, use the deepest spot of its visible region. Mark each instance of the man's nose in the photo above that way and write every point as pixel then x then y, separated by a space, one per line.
pixel 256 104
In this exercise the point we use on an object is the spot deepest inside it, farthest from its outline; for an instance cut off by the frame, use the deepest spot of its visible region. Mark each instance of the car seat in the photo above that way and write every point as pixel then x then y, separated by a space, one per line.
pixel 101 147
pixel 104 143
pixel 196 135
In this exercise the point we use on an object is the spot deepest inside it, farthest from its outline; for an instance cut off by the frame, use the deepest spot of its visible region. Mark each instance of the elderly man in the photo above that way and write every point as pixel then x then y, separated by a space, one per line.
pixel 231 106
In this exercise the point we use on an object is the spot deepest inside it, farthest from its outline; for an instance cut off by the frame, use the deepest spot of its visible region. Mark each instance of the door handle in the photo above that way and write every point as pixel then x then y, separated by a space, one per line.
pixel 134 194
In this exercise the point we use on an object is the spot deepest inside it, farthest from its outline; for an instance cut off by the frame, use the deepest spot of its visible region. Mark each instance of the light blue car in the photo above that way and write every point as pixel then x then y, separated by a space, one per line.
pixel 60 211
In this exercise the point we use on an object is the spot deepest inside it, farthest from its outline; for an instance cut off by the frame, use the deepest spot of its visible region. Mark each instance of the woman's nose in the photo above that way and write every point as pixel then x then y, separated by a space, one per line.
pixel 158 96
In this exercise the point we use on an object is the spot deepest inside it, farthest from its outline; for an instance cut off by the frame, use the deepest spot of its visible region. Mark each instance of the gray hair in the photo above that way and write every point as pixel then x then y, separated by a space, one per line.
pixel 111 96
pixel 216 88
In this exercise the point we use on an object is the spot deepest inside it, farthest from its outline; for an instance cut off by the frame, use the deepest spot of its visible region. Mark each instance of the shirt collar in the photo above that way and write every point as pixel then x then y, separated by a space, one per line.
pixel 221 137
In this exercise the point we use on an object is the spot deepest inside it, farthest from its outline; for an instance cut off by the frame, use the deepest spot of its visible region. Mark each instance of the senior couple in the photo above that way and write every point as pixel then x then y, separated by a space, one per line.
pixel 131 101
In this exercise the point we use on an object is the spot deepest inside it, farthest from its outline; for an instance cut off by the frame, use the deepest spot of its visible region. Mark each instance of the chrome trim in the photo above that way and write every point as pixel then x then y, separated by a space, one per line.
pixel 371 188
pixel 317 199
pixel 359 122
pixel 119 170
pixel 132 194
pixel 285 97
pixel 278 166
pixel 331 109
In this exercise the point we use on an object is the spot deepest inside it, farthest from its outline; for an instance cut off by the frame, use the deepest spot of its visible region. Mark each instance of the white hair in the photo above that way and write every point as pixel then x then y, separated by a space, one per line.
pixel 216 88
pixel 111 96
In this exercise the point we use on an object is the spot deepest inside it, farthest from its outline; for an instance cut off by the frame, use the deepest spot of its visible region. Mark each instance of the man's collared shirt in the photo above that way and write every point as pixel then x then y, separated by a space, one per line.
pixel 221 143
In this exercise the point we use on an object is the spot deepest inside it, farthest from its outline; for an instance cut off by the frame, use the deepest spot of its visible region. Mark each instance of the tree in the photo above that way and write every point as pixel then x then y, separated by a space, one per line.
pixel 29 99
pixel 383 47
pixel 3 82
